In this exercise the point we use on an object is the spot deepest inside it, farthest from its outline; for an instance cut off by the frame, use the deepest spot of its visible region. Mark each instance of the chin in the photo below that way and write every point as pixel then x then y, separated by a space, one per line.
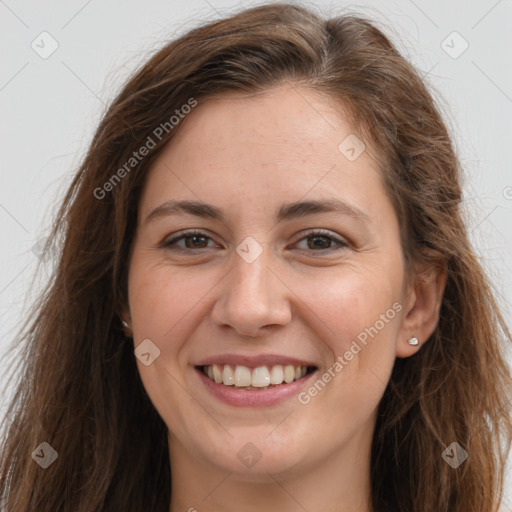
pixel 253 457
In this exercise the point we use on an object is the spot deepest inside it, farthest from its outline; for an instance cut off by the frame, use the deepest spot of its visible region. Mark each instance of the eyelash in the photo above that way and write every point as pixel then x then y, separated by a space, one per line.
pixel 171 244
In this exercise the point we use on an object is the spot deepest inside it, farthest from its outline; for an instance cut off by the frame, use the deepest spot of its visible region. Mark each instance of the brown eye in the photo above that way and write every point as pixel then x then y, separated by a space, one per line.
pixel 320 241
pixel 195 241
pixel 191 240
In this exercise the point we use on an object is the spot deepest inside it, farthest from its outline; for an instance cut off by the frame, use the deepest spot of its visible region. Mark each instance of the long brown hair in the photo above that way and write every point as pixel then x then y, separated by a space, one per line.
pixel 78 388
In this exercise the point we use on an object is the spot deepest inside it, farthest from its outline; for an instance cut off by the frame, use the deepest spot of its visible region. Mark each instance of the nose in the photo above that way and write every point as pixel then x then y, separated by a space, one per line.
pixel 252 297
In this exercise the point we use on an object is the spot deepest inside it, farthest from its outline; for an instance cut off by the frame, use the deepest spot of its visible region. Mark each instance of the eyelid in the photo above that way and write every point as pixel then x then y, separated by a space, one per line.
pixel 168 241
pixel 339 241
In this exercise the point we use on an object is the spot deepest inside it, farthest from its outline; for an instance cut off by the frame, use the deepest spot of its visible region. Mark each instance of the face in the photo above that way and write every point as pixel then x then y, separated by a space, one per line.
pixel 257 280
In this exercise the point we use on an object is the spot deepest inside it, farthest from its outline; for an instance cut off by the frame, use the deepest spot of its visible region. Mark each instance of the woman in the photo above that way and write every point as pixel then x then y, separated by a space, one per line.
pixel 266 298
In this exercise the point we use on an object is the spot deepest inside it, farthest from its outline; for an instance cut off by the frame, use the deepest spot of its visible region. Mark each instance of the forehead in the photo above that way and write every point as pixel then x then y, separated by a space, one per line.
pixel 288 141
pixel 292 120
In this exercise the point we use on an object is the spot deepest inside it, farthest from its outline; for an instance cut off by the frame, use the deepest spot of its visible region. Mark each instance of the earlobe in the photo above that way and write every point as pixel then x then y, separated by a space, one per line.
pixel 125 319
pixel 127 329
pixel 422 314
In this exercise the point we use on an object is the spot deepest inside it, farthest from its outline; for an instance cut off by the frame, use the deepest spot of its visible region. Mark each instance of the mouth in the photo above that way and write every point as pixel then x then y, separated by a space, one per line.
pixel 261 386
pixel 255 379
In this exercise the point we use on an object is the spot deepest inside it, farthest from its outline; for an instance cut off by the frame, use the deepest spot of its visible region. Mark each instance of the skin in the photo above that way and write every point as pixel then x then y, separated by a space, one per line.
pixel 247 156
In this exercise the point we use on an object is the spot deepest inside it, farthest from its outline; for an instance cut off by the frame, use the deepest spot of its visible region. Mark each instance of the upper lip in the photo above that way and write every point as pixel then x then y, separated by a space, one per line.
pixel 254 361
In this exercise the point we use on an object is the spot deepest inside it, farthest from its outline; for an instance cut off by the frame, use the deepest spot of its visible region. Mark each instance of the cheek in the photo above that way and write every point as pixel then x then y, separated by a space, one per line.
pixel 355 311
pixel 351 298
pixel 165 300
pixel 164 306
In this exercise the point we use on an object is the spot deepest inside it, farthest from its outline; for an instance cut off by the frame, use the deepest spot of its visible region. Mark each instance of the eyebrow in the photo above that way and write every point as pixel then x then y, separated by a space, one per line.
pixel 286 211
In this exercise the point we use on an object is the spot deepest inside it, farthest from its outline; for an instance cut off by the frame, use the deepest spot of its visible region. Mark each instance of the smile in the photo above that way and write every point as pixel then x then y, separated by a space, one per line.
pixel 262 377
pixel 268 385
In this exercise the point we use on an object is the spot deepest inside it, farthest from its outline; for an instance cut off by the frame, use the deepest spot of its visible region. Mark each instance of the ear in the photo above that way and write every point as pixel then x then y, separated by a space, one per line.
pixel 125 316
pixel 422 305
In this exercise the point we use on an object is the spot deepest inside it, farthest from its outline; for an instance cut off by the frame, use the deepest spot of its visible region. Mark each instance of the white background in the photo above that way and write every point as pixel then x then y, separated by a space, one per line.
pixel 51 106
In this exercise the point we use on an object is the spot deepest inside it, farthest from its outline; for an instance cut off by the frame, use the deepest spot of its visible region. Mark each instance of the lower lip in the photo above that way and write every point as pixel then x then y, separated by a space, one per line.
pixel 245 398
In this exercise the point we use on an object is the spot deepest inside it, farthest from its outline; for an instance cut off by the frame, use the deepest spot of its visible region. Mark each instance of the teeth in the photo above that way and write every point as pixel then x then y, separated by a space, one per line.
pixel 276 375
pixel 260 377
pixel 242 376
pixel 289 373
pixel 217 374
pixel 228 378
